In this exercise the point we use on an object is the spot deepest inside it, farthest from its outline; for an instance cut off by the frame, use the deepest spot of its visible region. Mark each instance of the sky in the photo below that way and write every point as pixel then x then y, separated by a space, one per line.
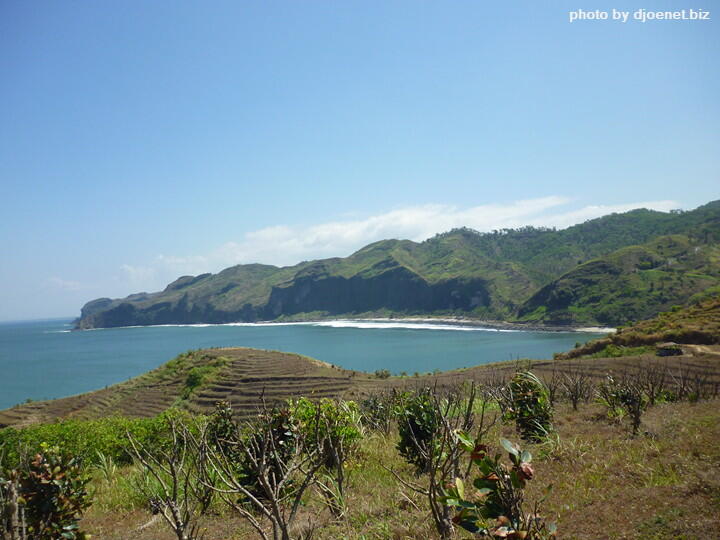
pixel 141 141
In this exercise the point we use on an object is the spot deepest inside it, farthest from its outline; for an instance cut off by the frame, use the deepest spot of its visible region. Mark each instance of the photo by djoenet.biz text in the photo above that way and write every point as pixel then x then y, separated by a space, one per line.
pixel 641 15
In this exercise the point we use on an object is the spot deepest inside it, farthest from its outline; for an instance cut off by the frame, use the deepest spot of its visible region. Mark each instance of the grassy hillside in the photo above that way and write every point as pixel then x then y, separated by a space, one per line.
pixel 698 323
pixel 485 275
pixel 195 381
pixel 604 485
pixel 630 284
pixel 662 482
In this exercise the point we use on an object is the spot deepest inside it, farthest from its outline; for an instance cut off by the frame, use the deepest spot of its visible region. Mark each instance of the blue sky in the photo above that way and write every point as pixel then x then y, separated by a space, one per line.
pixel 144 140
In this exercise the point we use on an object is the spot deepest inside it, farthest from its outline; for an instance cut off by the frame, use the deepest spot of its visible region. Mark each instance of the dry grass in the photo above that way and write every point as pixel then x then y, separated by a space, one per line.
pixel 662 484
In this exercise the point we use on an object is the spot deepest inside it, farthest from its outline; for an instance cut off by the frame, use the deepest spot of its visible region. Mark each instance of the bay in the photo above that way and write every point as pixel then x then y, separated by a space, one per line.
pixel 45 359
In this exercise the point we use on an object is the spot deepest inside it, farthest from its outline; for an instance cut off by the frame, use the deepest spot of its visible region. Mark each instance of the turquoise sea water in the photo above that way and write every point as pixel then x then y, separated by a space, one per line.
pixel 44 359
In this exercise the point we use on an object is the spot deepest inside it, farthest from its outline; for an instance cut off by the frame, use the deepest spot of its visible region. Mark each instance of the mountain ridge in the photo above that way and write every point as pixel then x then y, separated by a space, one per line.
pixel 499 275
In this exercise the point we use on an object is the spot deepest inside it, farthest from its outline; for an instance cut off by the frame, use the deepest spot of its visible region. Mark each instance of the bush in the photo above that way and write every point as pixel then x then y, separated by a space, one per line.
pixel 337 422
pixel 499 511
pixel 336 430
pixel 87 440
pixel 378 411
pixel 527 402
pixel 418 421
pixel 47 495
pixel 382 373
pixel 622 397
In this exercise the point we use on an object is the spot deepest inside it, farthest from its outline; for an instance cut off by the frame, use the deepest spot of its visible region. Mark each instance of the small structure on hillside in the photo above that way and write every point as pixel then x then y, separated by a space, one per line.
pixel 668 349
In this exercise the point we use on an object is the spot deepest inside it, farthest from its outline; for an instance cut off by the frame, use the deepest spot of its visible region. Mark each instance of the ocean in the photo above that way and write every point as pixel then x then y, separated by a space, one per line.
pixel 46 359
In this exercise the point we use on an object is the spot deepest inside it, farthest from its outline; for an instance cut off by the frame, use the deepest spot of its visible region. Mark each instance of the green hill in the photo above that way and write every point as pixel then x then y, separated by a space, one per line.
pixel 521 274
pixel 629 284
pixel 698 324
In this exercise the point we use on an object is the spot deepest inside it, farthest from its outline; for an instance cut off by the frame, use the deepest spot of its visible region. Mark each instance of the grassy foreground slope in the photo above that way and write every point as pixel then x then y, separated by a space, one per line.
pixel 484 275
pixel 606 484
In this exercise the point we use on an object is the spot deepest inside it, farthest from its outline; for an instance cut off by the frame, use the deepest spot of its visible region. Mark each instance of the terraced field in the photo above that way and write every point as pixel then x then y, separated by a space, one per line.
pixel 242 376
pixel 253 376
pixel 247 377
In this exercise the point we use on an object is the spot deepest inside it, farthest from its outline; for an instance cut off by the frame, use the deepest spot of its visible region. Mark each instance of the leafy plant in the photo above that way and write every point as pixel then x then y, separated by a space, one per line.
pixel 45 500
pixel 378 411
pixel 418 422
pixel 279 463
pixel 624 396
pixel 87 440
pixel 498 510
pixel 445 452
pixel 336 428
pixel 526 400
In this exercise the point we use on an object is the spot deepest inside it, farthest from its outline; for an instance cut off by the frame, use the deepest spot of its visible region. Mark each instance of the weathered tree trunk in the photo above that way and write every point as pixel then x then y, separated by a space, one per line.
pixel 12 511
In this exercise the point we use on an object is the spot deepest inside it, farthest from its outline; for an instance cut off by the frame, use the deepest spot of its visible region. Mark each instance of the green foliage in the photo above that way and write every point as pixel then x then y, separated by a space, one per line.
pixel 85 439
pixel 622 397
pixel 527 402
pixel 200 375
pixel 222 428
pixel 51 494
pixel 382 373
pixel 629 284
pixel 378 410
pixel 616 351
pixel 497 511
pixel 233 440
pixel 418 422
pixel 336 420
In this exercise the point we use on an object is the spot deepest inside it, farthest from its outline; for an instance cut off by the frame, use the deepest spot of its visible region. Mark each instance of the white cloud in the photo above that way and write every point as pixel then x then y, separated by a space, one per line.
pixel 63 284
pixel 286 245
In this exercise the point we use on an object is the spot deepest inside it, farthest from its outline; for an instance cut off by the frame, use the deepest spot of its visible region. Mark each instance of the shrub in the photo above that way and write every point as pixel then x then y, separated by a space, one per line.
pixel 175 484
pixel 231 440
pixel 45 499
pixel 85 439
pixel 624 397
pixel 498 511
pixel 382 373
pixel 378 410
pixel 335 427
pixel 279 463
pixel 444 454
pixel 336 422
pixel 418 421
pixel 525 400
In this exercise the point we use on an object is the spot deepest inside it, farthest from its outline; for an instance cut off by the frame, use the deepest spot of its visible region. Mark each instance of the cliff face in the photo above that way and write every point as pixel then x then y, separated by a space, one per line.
pixel 395 289
pixel 605 271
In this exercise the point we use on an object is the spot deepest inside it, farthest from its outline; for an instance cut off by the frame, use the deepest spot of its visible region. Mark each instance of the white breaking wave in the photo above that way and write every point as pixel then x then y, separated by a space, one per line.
pixel 408 325
pixel 366 324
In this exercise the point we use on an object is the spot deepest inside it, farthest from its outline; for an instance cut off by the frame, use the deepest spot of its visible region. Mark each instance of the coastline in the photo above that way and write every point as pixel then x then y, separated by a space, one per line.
pixel 446 322
pixel 500 325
